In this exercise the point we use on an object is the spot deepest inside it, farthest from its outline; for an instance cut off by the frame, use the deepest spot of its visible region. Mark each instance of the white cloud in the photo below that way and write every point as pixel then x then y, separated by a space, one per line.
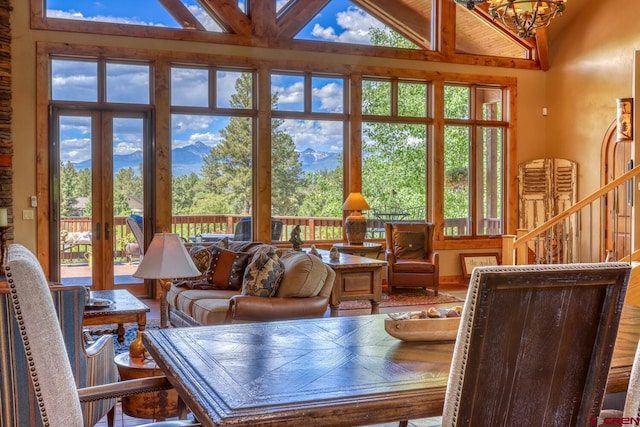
pixel 315 134
pixel 292 94
pixel 330 96
pixel 355 25
pixel 71 14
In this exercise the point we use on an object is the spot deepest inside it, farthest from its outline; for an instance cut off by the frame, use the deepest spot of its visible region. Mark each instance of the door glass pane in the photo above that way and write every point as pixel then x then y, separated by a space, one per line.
pixel 75 208
pixel 457 212
pixel 128 197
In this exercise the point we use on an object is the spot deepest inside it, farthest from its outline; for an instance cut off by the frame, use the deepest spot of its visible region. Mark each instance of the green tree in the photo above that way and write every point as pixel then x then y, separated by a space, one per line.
pixel 227 173
pixel 126 183
pixel 68 190
pixel 185 193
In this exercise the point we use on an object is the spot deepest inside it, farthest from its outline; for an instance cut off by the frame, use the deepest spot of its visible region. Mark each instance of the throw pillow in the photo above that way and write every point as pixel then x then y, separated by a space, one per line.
pixel 224 243
pixel 408 244
pixel 263 275
pixel 226 268
pixel 201 257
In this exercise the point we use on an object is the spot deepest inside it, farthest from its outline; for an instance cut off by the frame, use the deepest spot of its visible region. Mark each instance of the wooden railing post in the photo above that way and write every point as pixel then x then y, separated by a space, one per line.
pixel 508 241
pixel 521 253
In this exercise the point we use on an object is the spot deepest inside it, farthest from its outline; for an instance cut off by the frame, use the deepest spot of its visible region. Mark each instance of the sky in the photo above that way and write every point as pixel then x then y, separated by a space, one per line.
pixel 339 21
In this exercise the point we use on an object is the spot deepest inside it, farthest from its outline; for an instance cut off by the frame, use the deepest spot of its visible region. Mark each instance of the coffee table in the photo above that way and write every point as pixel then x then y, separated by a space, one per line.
pixel 125 308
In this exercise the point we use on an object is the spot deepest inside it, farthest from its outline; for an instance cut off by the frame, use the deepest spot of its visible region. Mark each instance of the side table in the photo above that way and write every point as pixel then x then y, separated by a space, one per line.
pixel 125 308
pixel 366 248
pixel 357 278
pixel 157 405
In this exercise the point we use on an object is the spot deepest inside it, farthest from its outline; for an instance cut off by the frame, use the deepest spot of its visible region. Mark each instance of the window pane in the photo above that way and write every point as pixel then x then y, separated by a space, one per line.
pixel 234 89
pixel 456 102
pixel 307 171
pixel 489 103
pixel 457 212
pixel 288 91
pixel 190 87
pixel 327 95
pixel 211 166
pixel 394 173
pixel 74 80
pixel 490 182
pixel 412 99
pixel 128 83
pixel 376 97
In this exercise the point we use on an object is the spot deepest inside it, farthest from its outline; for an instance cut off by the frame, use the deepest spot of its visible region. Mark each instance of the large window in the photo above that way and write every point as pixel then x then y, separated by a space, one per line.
pixel 252 142
pixel 212 139
pixel 307 144
pixel 473 160
pixel 394 145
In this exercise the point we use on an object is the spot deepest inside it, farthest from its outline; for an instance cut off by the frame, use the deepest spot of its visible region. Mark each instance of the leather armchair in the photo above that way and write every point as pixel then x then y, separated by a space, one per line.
pixel 91 365
pixel 412 262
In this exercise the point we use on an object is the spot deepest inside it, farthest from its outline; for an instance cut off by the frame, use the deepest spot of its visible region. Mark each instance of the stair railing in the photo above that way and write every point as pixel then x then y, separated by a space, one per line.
pixel 578 234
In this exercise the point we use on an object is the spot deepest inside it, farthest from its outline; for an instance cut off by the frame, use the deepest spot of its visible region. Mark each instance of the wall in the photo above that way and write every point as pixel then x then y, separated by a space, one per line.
pixel 531 89
pixel 592 64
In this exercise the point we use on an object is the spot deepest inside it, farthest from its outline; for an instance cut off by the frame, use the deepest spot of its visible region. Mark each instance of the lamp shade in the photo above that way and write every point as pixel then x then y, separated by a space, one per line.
pixel 166 258
pixel 355 202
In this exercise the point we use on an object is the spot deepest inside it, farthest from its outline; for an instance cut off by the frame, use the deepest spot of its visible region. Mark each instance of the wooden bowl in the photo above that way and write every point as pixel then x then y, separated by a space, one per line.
pixel 431 329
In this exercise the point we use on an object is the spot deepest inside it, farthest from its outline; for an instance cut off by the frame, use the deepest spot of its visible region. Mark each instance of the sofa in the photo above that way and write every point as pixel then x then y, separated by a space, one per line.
pixel 298 285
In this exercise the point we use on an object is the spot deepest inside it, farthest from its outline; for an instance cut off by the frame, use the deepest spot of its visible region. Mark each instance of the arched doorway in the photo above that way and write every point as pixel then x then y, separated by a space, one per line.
pixel 616 160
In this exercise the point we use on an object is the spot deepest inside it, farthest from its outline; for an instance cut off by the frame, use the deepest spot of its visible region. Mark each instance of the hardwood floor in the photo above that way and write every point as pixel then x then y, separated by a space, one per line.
pixel 458 290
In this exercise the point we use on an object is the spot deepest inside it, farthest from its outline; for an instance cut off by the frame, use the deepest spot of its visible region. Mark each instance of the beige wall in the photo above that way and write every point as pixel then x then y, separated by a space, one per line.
pixel 591 65
pixel 531 90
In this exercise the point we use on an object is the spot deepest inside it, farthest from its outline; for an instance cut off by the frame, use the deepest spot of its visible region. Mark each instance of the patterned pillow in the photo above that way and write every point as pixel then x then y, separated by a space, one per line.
pixel 263 275
pixel 201 257
pixel 224 243
pixel 408 244
pixel 226 268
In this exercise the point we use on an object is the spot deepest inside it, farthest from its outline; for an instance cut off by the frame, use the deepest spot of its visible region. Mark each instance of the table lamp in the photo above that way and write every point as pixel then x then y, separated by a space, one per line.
pixel 355 224
pixel 166 259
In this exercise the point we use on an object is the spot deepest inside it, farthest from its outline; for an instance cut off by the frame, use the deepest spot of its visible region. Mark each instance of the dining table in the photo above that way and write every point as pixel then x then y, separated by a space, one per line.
pixel 328 371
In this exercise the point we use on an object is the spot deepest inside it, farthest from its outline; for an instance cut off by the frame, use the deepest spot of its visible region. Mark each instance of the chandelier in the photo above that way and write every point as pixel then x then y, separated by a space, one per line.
pixel 470 4
pixel 525 16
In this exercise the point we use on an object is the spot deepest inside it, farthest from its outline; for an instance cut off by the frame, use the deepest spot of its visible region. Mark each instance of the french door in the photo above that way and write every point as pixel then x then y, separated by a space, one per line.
pixel 97 176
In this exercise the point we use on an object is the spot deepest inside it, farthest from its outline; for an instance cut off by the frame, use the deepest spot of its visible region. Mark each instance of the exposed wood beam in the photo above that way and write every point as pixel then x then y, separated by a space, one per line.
pixel 263 21
pixel 181 14
pixel 444 31
pixel 542 43
pixel 411 23
pixel 296 15
pixel 230 17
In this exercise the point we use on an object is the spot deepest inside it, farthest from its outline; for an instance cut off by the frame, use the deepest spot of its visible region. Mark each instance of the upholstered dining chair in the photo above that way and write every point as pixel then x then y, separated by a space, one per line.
pixel 412 262
pixel 631 410
pixel 91 364
pixel 57 400
pixel 535 344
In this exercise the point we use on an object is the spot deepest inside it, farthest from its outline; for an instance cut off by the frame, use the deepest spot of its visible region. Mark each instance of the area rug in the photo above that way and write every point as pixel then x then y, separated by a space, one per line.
pixel 129 334
pixel 402 297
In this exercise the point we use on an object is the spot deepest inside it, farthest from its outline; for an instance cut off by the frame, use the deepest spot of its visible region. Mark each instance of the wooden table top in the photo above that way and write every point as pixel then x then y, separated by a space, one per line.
pixel 124 302
pixel 330 371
